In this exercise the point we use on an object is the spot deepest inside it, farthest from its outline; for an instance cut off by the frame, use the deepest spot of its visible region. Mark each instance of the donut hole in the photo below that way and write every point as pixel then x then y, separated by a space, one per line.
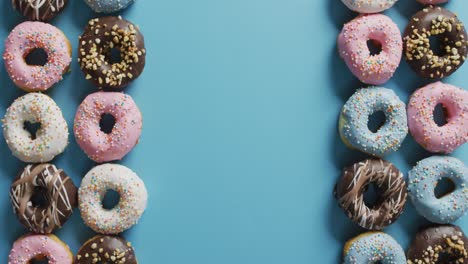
pixel 114 56
pixel 36 57
pixel 371 195
pixel 444 187
pixel 107 123
pixel 374 46
pixel 39 260
pixel 39 197
pixel 111 199
pixel 440 115
pixel 376 121
pixel 32 128
pixel 437 45
pixel 448 257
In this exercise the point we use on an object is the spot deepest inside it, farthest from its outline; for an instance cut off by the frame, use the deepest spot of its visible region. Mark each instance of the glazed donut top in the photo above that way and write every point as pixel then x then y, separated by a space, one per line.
pixel 32 247
pixel 99 38
pixel 373 247
pixel 51 138
pixel 106 248
pixel 26 37
pixel 392 193
pixel 435 21
pixel 42 10
pixel 439 244
pixel 58 191
pixel 369 6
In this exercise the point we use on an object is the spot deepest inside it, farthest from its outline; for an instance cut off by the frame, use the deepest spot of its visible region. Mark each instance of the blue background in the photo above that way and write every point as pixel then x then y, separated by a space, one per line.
pixel 239 150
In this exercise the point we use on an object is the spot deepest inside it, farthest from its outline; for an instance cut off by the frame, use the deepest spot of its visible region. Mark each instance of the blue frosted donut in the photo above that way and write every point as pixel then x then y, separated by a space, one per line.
pixel 355 115
pixel 423 179
pixel 373 247
pixel 108 6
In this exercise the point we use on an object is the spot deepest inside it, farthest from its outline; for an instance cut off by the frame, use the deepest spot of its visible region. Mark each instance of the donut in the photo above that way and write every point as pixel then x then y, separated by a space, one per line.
pixel 41 10
pixel 391 188
pixel 104 248
pixel 35 247
pixel 421 124
pixel 373 247
pixel 103 35
pixel 98 145
pixel 24 39
pixel 352 46
pixel 439 244
pixel 108 6
pixel 53 187
pixel 369 6
pixel 432 2
pixel 126 213
pixel 444 25
pixel 355 115
pixel 423 179
pixel 51 138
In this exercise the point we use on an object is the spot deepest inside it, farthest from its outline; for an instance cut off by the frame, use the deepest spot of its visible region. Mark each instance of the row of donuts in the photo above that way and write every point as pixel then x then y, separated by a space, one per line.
pixel 59 196
pixel 46 10
pixel 100 38
pixel 392 192
pixel 417 118
pixel 434 244
pixel 425 59
pixel 43 196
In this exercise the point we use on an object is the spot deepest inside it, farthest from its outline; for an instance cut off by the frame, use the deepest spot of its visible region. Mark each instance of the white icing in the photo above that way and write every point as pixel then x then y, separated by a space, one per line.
pixel 51 138
pixel 369 6
pixel 132 203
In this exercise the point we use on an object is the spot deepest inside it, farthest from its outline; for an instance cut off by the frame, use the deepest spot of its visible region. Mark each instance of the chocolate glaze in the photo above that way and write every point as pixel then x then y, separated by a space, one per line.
pixel 435 21
pixel 40 10
pixel 57 190
pixel 106 249
pixel 391 189
pixel 100 36
pixel 439 244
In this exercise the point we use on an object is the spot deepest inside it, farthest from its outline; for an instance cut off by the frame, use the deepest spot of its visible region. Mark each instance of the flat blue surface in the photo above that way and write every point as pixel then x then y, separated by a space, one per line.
pixel 240 150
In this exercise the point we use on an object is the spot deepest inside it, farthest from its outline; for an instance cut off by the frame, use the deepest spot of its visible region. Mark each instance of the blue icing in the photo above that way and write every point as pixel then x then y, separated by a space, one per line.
pixel 374 247
pixel 422 180
pixel 108 6
pixel 355 117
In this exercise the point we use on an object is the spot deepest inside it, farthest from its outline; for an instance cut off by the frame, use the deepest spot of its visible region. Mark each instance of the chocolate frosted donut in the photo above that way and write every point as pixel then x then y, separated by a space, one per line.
pixel 43 197
pixel 106 249
pixel 101 37
pixel 41 10
pixel 439 244
pixel 423 59
pixel 390 186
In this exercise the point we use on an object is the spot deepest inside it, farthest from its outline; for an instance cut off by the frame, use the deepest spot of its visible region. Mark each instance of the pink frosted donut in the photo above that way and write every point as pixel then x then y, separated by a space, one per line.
pixel 101 146
pixel 352 45
pixel 421 122
pixel 39 247
pixel 27 37
pixel 432 2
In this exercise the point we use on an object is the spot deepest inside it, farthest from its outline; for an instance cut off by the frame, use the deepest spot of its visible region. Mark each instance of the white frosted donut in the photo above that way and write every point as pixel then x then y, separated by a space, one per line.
pixel 369 6
pixel 126 213
pixel 52 136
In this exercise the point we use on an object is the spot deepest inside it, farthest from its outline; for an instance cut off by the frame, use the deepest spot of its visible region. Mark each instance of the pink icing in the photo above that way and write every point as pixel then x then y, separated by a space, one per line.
pixel 28 247
pixel 352 45
pixel 99 146
pixel 26 37
pixel 421 122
